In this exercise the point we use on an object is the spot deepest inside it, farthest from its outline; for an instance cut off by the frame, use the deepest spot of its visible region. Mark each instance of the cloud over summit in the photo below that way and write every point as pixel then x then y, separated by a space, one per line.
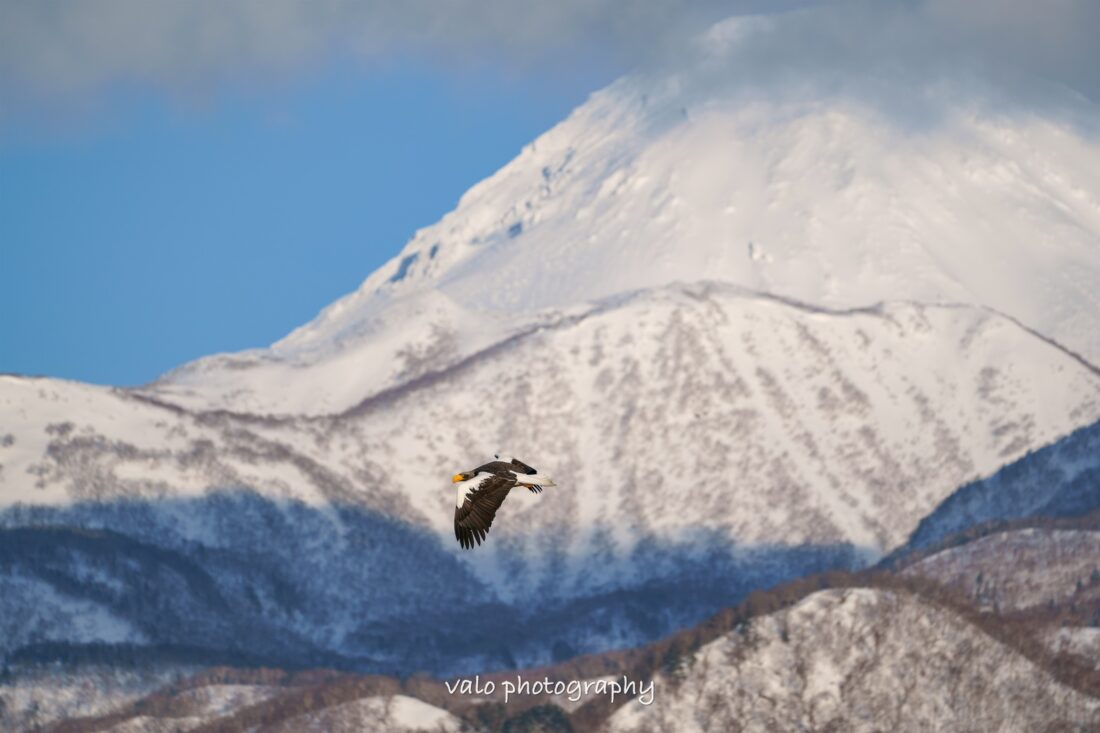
pixel 61 47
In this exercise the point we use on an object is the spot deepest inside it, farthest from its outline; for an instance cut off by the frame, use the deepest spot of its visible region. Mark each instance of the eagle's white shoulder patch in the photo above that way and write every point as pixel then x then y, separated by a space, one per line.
pixel 463 488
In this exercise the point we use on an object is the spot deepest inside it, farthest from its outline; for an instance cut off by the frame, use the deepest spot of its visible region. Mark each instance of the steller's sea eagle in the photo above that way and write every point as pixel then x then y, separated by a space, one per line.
pixel 480 492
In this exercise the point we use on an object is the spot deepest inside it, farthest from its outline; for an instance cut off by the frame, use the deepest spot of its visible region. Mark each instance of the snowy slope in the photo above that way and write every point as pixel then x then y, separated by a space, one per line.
pixel 686 388
pixel 393 714
pixel 1019 569
pixel 752 330
pixel 1059 480
pixel 859 660
pixel 398 713
pixel 815 191
pixel 36 699
pixel 1082 642
pixel 706 441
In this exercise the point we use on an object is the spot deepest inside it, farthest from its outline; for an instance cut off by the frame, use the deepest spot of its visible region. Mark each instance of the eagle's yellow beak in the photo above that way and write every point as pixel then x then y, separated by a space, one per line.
pixel 457 477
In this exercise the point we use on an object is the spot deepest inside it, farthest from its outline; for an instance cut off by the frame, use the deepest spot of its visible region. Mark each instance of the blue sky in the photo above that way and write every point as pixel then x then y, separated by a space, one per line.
pixel 184 178
pixel 154 230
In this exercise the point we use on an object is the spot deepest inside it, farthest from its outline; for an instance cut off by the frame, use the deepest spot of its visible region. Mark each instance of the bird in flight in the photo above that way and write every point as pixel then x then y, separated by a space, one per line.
pixel 480 492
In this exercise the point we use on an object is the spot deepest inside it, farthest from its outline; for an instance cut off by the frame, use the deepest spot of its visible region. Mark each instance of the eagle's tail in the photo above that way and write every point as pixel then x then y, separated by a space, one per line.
pixel 535 483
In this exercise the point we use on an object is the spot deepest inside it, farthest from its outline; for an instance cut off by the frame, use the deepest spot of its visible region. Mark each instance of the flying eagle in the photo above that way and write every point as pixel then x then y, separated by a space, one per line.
pixel 480 492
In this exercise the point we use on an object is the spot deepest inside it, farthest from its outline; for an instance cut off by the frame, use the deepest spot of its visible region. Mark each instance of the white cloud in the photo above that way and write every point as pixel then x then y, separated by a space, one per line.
pixel 61 47
pixel 1054 38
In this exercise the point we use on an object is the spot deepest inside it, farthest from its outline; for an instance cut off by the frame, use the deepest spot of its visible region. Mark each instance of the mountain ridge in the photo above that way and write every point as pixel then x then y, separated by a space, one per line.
pixel 777 440
pixel 557 319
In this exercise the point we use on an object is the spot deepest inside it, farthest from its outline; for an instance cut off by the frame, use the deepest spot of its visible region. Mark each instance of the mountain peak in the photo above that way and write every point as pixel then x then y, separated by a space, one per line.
pixel 829 194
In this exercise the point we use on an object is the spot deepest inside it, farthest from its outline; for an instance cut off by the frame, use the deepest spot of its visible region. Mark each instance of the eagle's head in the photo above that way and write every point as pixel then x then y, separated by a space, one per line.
pixel 461 477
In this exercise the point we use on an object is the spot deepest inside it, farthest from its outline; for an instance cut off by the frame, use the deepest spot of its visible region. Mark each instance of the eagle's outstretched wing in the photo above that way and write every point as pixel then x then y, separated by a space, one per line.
pixel 521 467
pixel 476 506
pixel 512 465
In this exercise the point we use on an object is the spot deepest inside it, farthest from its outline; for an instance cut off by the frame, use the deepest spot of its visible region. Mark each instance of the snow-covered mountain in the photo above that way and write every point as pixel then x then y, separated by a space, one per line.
pixel 871 651
pixel 827 190
pixel 754 332
pixel 706 441
pixel 1041 574
pixel 1060 480
pixel 1019 569
pixel 856 660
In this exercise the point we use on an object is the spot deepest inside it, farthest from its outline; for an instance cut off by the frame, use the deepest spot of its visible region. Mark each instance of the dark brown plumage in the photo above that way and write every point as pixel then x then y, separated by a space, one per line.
pixel 505 468
pixel 475 516
pixel 482 491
